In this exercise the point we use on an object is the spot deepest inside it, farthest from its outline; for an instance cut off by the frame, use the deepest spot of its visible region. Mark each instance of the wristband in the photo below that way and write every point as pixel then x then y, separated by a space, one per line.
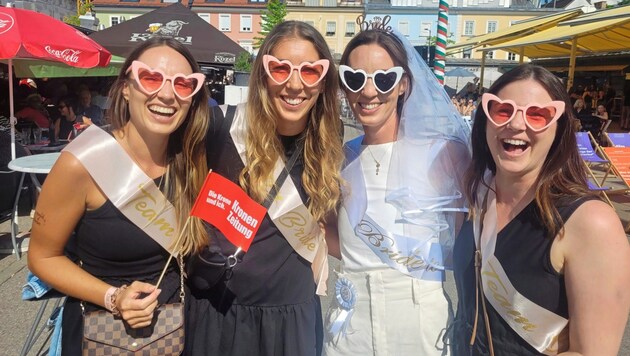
pixel 114 297
pixel 108 298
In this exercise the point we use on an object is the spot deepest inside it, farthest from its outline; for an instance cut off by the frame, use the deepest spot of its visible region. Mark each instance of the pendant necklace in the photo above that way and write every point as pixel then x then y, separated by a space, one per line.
pixel 376 161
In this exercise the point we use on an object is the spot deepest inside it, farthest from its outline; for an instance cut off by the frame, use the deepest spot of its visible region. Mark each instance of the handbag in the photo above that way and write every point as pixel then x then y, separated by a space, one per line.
pixel 104 334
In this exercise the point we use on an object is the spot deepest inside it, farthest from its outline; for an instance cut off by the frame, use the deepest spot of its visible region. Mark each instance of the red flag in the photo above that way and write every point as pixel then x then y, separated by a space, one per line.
pixel 226 206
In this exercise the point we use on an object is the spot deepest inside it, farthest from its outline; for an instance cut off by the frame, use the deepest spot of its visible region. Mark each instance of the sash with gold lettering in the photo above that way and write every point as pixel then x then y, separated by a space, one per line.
pixel 289 213
pixel 125 184
pixel 538 326
pixel 425 217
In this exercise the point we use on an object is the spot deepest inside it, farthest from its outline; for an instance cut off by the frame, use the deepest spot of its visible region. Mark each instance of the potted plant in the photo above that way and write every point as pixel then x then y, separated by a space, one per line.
pixel 242 68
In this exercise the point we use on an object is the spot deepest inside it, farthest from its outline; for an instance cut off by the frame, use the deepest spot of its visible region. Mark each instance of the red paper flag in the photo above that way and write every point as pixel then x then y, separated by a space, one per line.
pixel 226 206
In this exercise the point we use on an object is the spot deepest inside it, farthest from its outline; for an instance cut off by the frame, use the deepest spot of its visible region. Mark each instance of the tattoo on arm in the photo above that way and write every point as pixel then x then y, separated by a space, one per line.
pixel 39 218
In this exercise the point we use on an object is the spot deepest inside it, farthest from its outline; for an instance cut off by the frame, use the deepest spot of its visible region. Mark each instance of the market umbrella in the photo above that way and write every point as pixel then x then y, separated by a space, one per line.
pixel 37 68
pixel 459 72
pixel 206 43
pixel 29 34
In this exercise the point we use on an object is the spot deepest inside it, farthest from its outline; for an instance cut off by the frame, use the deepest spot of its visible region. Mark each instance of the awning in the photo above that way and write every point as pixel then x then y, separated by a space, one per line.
pixel 517 30
pixel 599 68
pixel 603 31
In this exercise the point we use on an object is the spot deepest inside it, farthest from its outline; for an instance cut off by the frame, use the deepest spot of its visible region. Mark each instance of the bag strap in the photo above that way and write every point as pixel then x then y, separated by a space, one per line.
pixel 283 175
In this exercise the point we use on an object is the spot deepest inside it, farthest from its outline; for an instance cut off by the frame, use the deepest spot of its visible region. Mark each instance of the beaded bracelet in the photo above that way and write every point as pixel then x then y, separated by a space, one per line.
pixel 112 300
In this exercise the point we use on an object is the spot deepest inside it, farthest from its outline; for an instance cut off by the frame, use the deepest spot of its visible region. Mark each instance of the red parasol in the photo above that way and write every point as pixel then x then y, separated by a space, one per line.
pixel 28 34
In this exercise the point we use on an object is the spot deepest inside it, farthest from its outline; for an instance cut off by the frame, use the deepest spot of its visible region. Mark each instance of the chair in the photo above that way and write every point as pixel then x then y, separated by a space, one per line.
pixel 603 131
pixel 618 139
pixel 591 153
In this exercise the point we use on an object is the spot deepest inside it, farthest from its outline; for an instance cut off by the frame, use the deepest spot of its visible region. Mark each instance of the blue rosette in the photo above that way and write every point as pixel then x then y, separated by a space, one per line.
pixel 346 295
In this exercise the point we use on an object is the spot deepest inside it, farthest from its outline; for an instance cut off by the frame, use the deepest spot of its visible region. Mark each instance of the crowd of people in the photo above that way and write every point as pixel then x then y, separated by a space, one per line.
pixel 541 264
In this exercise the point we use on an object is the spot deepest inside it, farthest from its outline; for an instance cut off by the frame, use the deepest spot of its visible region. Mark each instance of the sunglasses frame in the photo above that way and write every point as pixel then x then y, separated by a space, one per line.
pixel 136 66
pixel 397 69
pixel 323 62
pixel 556 104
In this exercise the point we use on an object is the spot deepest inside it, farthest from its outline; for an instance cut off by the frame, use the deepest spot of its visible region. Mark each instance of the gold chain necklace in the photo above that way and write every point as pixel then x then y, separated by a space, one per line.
pixel 376 161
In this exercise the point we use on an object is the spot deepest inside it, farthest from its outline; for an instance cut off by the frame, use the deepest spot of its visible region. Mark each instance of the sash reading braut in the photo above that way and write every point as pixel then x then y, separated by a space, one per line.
pixel 538 326
pixel 125 184
pixel 289 213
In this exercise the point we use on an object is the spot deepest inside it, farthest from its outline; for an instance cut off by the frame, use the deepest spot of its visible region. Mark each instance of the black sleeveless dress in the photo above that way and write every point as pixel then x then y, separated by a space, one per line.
pixel 268 306
pixel 524 252
pixel 118 252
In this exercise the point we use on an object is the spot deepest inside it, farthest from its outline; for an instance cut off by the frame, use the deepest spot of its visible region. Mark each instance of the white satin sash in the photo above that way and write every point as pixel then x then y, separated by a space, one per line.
pixel 289 213
pixel 125 184
pixel 419 256
pixel 538 326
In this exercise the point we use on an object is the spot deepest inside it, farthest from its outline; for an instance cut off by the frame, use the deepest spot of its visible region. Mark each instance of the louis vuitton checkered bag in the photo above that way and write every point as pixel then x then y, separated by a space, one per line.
pixel 105 335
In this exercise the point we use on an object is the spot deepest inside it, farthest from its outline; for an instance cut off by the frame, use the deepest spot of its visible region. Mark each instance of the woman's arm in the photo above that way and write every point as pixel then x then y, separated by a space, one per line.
pixel 597 276
pixel 67 192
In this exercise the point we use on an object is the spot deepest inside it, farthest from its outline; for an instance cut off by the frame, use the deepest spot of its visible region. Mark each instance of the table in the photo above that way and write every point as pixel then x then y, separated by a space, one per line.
pixel 40 164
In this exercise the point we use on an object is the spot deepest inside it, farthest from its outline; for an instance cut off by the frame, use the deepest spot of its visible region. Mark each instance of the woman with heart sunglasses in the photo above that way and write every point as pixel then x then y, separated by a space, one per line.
pixel 546 268
pixel 287 136
pixel 158 118
pixel 399 211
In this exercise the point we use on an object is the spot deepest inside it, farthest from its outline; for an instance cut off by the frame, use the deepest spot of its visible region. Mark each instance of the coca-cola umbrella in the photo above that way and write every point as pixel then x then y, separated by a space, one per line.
pixel 29 34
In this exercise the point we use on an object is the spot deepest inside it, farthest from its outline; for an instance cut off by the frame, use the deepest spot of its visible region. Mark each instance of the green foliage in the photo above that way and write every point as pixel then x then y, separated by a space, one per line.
pixel 433 39
pixel 84 6
pixel 274 14
pixel 243 62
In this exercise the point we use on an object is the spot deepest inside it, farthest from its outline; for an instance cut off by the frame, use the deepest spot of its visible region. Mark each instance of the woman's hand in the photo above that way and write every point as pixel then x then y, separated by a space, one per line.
pixel 137 303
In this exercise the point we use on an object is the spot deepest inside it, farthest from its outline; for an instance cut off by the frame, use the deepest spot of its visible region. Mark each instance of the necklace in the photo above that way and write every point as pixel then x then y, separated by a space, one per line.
pixel 377 161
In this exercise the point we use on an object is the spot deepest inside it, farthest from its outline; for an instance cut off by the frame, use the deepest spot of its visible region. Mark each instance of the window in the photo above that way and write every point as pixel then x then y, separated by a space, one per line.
pixel 425 29
pixel 224 22
pixel 403 28
pixel 469 28
pixel 511 56
pixel 331 28
pixel 114 20
pixel 350 29
pixel 246 23
pixel 205 17
pixel 467 53
pixel 247 45
pixel 489 54
pixel 492 27
pixel 260 1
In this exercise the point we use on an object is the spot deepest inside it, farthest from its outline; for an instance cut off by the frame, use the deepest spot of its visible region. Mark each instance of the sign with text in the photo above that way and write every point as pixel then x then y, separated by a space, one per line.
pixel 225 205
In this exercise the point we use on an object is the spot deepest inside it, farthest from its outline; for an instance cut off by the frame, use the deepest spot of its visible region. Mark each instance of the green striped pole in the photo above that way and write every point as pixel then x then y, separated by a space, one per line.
pixel 440 42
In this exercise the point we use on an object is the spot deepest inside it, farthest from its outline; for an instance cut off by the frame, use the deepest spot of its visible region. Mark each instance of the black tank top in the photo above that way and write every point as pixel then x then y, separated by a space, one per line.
pixel 523 249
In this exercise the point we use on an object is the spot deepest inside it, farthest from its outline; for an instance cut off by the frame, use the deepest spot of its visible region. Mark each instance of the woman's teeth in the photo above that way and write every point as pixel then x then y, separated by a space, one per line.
pixel 293 101
pixel 161 110
pixel 515 142
pixel 370 106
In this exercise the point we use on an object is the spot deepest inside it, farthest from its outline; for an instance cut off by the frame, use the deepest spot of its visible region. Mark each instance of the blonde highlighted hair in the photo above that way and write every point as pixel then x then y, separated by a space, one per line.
pixel 323 152
pixel 186 152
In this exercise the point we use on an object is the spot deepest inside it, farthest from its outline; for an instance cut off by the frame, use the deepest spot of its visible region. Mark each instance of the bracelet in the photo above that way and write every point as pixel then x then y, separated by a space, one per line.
pixel 108 298
pixel 114 297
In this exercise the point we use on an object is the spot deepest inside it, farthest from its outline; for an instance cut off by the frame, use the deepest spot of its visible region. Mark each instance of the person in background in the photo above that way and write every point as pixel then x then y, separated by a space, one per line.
pixel 34 111
pixel 546 267
pixel 92 113
pixel 64 124
pixel 268 304
pixel 396 226
pixel 159 118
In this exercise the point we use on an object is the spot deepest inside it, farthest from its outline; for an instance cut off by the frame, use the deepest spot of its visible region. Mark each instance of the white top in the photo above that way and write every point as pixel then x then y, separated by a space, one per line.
pixel 356 255
pixel 35 163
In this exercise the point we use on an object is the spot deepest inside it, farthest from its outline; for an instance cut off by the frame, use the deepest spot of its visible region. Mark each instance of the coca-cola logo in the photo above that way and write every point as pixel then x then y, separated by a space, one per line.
pixel 67 55
pixel 6 23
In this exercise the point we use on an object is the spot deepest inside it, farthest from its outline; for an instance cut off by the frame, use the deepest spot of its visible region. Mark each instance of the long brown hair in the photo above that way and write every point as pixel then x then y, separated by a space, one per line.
pixel 185 153
pixel 562 177
pixel 323 142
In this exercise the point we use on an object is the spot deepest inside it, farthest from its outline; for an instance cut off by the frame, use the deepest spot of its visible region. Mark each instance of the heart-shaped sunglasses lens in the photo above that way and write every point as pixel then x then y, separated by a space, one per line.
pixel 310 73
pixel 537 117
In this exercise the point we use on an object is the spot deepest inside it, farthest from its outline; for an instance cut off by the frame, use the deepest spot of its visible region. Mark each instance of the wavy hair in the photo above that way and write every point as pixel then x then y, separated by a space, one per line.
pixel 562 176
pixel 392 45
pixel 185 153
pixel 323 153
